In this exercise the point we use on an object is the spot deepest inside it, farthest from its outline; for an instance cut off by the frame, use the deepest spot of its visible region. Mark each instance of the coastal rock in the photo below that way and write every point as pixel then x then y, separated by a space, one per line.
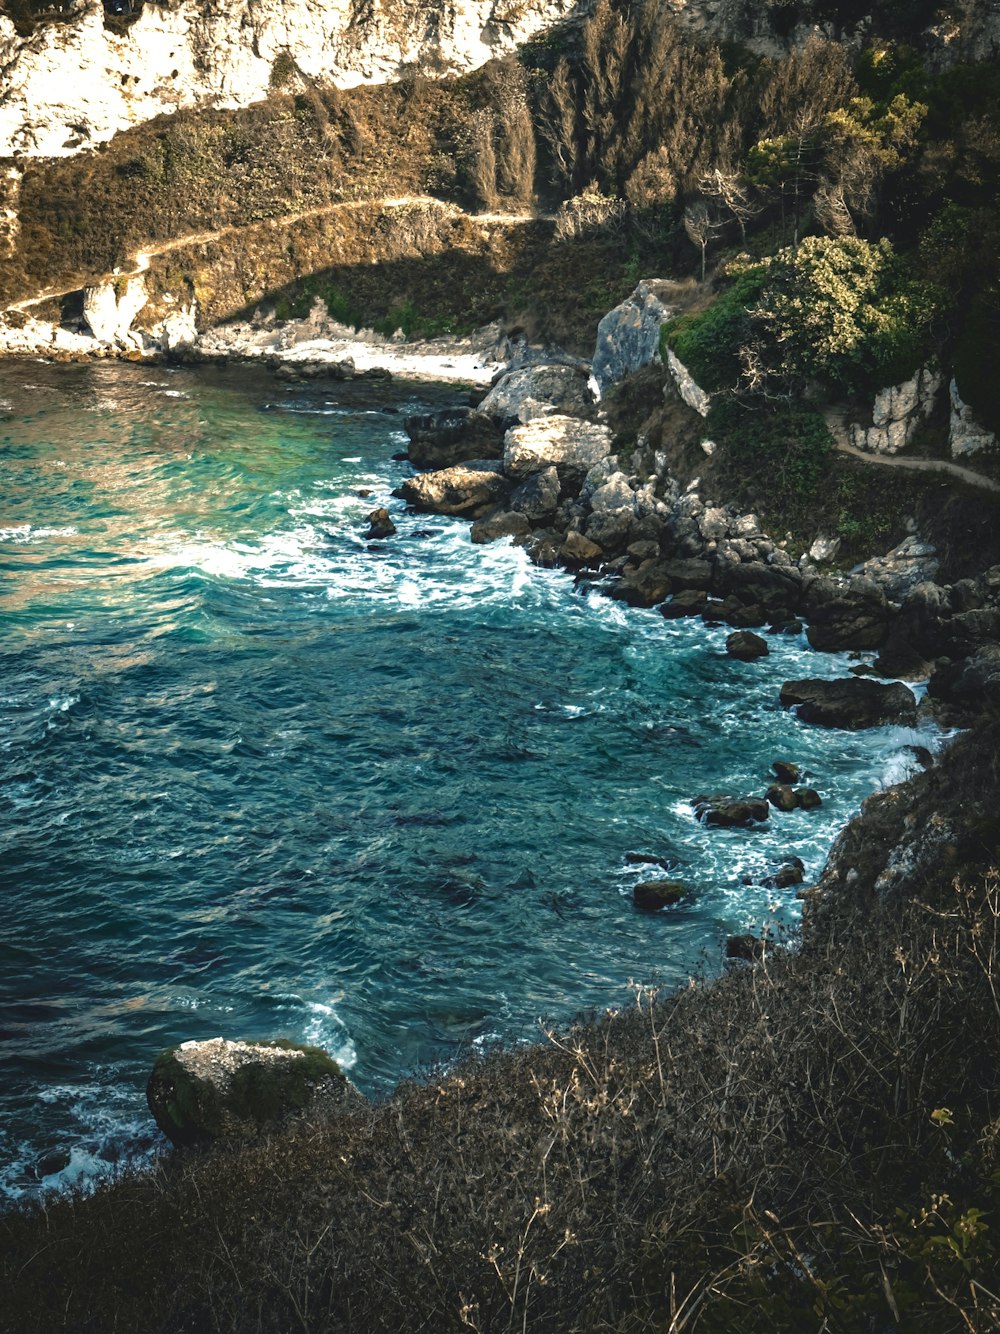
pixel 970 687
pixel 807 798
pixel 199 1092
pixel 109 310
pixel 379 526
pixel 896 413
pixel 628 337
pixel 745 646
pixel 789 873
pixel 652 895
pixel 851 703
pixel 554 442
pixel 899 572
pixel 731 812
pixel 453 435
pixel 786 772
pixel 503 523
pixel 845 615
pixel 688 602
pixel 462 489
pixel 781 797
pixel 530 392
pixel 644 586
pixel 537 496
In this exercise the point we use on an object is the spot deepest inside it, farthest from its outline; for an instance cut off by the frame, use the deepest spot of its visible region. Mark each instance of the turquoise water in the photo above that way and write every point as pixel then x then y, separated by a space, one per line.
pixel 258 778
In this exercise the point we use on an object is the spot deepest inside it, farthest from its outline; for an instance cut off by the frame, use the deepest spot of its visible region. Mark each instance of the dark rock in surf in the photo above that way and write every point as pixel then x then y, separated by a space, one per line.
pixel 851 703
pixel 652 895
pixel 731 812
pixel 379 526
pixel 745 646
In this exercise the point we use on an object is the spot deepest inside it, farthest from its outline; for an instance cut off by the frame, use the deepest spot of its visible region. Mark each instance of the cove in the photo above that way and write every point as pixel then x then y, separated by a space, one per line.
pixel 259 777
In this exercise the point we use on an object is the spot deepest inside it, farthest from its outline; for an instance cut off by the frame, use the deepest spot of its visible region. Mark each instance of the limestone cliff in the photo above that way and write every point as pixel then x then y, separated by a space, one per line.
pixel 76 83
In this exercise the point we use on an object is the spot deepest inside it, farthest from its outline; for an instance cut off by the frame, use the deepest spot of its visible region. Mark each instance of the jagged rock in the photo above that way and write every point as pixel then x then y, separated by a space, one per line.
pixel 537 496
pixel 643 587
pixel 628 337
pixel 579 550
pixel 731 812
pixel 554 442
pixel 966 435
pixel 462 489
pixel 689 574
pixel 846 615
pixel 896 413
pixel 786 772
pixel 852 703
pixel 204 1091
pixel 652 895
pixel 824 549
pixel 745 646
pixel 530 392
pixel 781 797
pixel 614 494
pixel 379 526
pixel 453 435
pixel 612 530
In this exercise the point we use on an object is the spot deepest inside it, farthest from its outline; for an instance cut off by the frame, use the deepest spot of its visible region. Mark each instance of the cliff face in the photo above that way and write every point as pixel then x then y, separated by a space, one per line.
pixel 74 84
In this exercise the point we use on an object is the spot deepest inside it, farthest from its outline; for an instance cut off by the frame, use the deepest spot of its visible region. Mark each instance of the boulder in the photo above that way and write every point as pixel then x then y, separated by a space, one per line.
pixel 552 442
pixel 531 392
pixel 379 526
pixel 846 615
pixel 688 602
pixel 691 392
pixel 200 1092
pixel 899 572
pixel 645 586
pixel 537 496
pixel 851 703
pixel 786 772
pixel 787 875
pixel 461 489
pixel 502 523
pixel 579 550
pixel 453 435
pixel 745 646
pixel 807 798
pixel 628 337
pixel 652 895
pixel 781 797
pixel 731 812
pixel 969 687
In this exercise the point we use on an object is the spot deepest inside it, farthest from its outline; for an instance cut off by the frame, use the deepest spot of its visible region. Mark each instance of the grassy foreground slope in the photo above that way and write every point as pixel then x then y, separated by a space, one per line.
pixel 813 1142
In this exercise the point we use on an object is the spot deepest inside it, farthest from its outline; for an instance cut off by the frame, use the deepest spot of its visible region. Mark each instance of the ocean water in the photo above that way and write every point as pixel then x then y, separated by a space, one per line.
pixel 260 778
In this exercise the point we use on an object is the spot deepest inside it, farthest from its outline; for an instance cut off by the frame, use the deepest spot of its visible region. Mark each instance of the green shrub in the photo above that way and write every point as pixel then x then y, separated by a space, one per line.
pixel 709 342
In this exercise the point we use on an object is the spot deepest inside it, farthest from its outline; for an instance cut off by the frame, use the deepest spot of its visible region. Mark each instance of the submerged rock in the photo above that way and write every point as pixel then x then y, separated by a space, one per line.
pixel 851 703
pixel 379 525
pixel 205 1091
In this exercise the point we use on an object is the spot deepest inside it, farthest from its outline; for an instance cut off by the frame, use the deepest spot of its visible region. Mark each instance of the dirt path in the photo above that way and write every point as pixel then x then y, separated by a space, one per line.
pixel 140 261
pixel 838 430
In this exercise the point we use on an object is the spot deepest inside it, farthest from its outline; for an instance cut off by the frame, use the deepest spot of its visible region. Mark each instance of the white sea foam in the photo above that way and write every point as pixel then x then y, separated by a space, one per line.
pixel 26 532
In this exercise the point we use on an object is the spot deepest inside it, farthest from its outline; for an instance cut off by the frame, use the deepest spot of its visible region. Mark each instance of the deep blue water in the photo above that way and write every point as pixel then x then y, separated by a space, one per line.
pixel 260 779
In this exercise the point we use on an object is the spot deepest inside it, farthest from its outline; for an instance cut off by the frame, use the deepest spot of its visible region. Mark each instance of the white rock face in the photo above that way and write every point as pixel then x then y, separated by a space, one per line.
pixel 109 315
pixel 10 223
pixel 549 441
pixel 75 84
pixel 966 435
pixel 897 412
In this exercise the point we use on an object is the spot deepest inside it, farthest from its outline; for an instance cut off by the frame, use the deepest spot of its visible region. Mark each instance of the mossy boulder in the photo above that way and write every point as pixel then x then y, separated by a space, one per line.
pixel 200 1092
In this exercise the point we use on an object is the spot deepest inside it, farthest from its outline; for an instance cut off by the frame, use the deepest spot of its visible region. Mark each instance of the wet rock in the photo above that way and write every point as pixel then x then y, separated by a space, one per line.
pixel 462 489
pixel 689 602
pixel 645 859
pixel 199 1092
pixel 579 550
pixel 967 688
pixel 851 703
pixel 745 646
pixel 453 435
pixel 789 873
pixel 544 547
pixel 781 797
pixel 652 895
pixel 786 772
pixel 807 798
pixel 379 526
pixel 645 586
pixel 504 523
pixel 558 441
pixel 731 812
pixel 743 617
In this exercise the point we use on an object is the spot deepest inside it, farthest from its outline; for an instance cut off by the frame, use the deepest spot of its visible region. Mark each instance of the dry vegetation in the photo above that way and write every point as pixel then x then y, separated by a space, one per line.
pixel 811 1143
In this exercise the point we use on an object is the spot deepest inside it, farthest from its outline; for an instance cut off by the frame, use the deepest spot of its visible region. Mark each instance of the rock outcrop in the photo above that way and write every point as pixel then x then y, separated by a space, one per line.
pixel 200 1092
pixel 897 412
pixel 852 703
pixel 966 435
pixel 628 337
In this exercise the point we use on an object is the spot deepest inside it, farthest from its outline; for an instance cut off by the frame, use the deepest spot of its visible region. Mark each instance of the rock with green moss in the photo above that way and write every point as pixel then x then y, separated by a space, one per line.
pixel 200 1092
